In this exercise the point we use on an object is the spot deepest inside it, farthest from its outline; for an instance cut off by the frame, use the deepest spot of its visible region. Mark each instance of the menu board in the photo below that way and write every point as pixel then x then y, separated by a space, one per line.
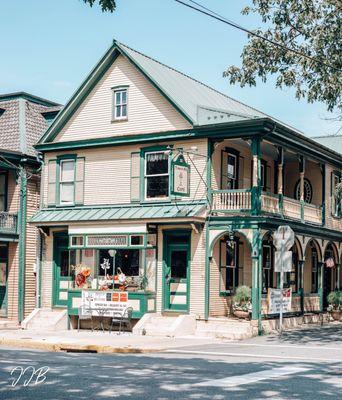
pixel 112 303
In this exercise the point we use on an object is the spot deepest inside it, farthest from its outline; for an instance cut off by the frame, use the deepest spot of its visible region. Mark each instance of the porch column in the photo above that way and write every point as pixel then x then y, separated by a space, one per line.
pixel 301 184
pixel 256 175
pixel 301 283
pixel 256 281
pixel 320 284
pixel 323 193
pixel 280 188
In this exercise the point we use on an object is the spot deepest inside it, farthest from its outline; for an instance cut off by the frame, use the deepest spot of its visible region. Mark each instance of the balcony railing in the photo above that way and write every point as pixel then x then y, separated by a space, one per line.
pixel 231 200
pixel 8 222
pixel 240 200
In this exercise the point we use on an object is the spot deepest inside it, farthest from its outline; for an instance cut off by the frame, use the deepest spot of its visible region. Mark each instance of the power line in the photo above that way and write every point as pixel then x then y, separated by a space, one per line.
pixel 218 17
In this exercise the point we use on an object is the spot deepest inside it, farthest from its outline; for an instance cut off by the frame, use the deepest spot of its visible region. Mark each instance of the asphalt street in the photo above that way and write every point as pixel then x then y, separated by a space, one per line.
pixel 300 365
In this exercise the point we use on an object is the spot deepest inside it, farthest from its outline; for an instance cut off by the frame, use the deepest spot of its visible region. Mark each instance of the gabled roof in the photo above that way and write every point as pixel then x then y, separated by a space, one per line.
pixel 22 122
pixel 197 102
pixel 333 142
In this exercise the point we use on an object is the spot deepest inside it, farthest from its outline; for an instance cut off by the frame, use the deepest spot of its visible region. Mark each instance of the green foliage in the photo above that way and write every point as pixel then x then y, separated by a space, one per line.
pixel 335 300
pixel 106 5
pixel 242 295
pixel 309 27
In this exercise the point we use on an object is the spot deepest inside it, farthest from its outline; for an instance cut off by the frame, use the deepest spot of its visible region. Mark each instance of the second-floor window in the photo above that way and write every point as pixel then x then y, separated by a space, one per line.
pixel 156 175
pixel 120 104
pixel 336 203
pixel 3 191
pixel 67 182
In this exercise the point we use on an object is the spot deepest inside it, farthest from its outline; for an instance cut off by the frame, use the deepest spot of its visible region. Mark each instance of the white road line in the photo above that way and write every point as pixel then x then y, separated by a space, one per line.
pixel 213 353
pixel 283 346
pixel 246 379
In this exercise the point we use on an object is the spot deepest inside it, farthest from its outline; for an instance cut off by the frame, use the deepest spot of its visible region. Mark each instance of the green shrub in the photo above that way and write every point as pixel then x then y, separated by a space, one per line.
pixel 242 294
pixel 335 300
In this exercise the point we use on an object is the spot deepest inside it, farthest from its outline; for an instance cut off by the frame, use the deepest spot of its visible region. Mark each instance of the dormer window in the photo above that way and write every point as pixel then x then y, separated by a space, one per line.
pixel 120 103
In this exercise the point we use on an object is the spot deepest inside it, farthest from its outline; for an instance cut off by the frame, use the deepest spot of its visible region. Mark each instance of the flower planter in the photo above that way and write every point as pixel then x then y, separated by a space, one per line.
pixel 241 314
pixel 336 315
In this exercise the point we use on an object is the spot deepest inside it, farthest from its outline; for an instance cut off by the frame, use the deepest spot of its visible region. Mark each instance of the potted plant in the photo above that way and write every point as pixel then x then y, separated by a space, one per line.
pixel 242 302
pixel 335 305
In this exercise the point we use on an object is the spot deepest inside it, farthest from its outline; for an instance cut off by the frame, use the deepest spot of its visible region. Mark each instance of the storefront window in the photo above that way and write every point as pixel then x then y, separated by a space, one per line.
pixel 229 266
pixel 314 270
pixel 291 278
pixel 267 268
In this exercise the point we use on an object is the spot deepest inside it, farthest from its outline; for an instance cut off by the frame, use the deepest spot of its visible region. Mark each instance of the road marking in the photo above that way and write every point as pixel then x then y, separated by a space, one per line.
pixel 213 353
pixel 246 379
pixel 283 346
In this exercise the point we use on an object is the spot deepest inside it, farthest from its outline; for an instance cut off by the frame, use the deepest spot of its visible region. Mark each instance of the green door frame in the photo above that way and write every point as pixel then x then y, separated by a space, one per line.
pixel 56 278
pixel 4 304
pixel 168 246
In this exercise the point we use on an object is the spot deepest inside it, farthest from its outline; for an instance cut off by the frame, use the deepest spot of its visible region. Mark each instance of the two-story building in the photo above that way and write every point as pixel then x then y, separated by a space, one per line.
pixel 23 119
pixel 150 173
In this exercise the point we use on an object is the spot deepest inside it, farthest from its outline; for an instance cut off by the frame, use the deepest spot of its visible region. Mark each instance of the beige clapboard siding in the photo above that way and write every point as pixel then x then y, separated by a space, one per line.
pixel 31 245
pixel 12 282
pixel 108 172
pixel 197 274
pixel 148 110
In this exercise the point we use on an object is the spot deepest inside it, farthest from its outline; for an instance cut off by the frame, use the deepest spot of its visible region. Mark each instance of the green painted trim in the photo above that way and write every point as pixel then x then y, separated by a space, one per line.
pixel 22 218
pixel 27 96
pixel 55 279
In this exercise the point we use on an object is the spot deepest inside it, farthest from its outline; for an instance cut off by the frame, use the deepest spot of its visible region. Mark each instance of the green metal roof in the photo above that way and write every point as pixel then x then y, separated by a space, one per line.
pixel 120 212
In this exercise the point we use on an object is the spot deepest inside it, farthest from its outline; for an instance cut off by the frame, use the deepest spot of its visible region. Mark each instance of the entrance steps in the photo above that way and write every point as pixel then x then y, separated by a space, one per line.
pixel 153 324
pixel 6 324
pixel 46 319
pixel 225 328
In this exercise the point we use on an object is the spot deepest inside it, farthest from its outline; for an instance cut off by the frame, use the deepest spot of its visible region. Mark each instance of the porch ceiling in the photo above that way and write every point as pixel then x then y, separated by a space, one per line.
pixel 123 212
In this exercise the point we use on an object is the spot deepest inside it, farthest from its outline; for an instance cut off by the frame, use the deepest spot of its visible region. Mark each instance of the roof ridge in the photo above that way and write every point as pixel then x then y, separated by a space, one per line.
pixel 189 77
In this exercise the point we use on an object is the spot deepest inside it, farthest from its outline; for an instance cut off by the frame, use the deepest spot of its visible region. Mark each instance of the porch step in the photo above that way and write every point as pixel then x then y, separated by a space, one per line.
pixel 6 324
pixel 225 328
pixel 47 319
pixel 153 324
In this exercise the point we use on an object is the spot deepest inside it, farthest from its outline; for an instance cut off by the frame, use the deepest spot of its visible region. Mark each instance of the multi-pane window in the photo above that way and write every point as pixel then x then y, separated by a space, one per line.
pixel 314 270
pixel 232 171
pixel 291 278
pixel 229 266
pixel 267 268
pixel 67 182
pixel 156 175
pixel 3 191
pixel 120 104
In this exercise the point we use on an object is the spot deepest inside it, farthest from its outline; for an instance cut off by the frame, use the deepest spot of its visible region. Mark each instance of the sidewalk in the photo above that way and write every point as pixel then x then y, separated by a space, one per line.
pixel 100 342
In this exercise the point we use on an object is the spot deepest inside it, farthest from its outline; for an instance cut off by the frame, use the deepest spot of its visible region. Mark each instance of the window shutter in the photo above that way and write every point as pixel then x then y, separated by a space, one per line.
pixel 52 173
pixel 79 180
pixel 268 178
pixel 241 173
pixel 135 176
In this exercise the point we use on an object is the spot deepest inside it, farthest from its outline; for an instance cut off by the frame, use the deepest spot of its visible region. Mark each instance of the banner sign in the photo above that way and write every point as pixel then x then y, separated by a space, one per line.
pixel 107 241
pixel 180 177
pixel 274 300
pixel 112 303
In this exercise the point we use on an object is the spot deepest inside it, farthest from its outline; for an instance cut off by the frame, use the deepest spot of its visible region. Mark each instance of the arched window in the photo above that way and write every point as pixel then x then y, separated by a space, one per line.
pixel 314 269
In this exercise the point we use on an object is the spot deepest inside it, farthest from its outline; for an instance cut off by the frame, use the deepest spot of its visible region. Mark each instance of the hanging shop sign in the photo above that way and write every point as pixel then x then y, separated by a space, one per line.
pixel 180 177
pixel 274 300
pixel 109 302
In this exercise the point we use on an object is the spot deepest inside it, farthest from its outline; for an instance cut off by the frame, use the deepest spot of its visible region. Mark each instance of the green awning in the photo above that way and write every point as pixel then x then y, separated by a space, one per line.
pixel 123 212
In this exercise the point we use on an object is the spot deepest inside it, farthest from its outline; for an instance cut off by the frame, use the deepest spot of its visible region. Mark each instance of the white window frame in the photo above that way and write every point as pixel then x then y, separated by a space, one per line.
pixel 121 90
pixel 66 203
pixel 155 175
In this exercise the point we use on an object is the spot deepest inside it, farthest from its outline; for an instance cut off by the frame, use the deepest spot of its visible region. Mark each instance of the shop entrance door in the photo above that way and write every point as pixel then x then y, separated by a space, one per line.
pixel 61 275
pixel 177 275
pixel 3 278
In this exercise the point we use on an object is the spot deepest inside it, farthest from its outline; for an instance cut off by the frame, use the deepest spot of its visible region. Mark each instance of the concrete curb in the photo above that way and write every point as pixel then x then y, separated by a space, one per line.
pixel 72 347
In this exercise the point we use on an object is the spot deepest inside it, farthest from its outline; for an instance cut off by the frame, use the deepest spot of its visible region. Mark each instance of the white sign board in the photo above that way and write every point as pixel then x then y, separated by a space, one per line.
pixel 286 264
pixel 284 235
pixel 113 302
pixel 274 300
pixel 180 177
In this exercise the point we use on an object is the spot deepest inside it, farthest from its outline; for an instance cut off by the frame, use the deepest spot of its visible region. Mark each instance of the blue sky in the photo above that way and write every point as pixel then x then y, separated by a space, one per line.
pixel 47 47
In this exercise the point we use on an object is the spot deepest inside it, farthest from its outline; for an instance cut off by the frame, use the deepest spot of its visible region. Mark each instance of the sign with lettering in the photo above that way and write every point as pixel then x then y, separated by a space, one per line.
pixel 107 241
pixel 274 300
pixel 111 303
pixel 180 177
